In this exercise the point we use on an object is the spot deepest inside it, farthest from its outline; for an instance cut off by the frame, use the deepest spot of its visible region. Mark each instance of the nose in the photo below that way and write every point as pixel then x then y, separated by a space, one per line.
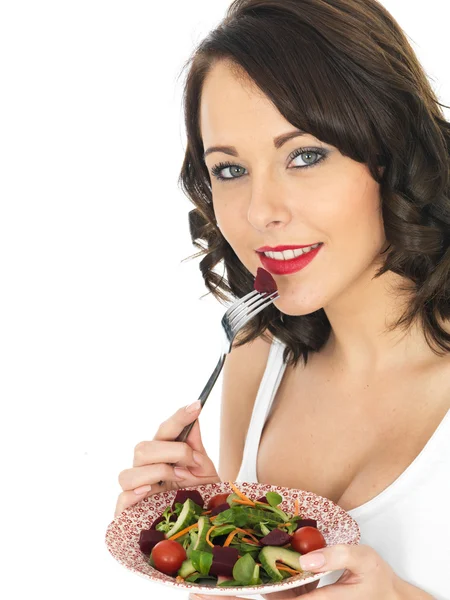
pixel 268 208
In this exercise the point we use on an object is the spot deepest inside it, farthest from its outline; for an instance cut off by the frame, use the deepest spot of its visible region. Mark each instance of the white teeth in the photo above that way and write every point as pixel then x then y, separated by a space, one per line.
pixel 290 254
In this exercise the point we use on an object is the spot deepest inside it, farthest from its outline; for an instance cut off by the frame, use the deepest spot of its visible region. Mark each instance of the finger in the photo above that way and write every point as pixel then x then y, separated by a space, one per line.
pixel 130 479
pixel 359 560
pixel 150 475
pixel 127 499
pixel 174 425
pixel 205 465
pixel 194 439
pixel 147 453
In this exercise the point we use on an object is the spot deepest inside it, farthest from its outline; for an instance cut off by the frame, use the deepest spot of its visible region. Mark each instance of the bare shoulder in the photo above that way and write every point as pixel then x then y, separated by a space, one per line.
pixel 242 374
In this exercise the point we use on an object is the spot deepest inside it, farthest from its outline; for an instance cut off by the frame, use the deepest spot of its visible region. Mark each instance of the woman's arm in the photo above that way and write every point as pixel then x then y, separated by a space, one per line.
pixel 406 591
pixel 242 374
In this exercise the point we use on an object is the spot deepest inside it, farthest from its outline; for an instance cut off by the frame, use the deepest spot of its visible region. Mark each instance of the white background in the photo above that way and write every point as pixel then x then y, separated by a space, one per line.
pixel 103 333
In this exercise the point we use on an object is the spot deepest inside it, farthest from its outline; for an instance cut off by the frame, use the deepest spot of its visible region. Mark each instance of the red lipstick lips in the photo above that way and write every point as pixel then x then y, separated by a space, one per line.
pixel 286 267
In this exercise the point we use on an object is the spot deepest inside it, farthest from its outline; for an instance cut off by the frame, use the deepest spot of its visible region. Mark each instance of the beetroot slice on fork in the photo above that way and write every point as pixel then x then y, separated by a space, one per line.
pixel 264 282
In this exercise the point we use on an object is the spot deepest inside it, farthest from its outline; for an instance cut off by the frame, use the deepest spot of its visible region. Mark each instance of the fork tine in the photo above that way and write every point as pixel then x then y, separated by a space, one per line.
pixel 236 306
pixel 243 308
pixel 257 308
pixel 251 304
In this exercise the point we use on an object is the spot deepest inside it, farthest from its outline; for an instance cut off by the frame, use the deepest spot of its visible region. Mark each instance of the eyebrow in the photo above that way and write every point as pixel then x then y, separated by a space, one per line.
pixel 277 142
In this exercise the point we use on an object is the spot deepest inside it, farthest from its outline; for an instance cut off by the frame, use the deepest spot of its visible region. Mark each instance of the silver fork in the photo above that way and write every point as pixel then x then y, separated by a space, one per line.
pixel 237 315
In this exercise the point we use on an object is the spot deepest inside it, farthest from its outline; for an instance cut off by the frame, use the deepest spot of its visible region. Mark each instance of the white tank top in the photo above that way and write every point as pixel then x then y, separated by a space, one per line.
pixel 408 523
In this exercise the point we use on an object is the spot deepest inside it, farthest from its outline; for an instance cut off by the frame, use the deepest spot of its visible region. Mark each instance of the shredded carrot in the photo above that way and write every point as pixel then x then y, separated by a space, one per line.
pixel 296 511
pixel 246 533
pixel 179 579
pixel 212 518
pixel 208 534
pixel 183 531
pixel 207 512
pixel 236 501
pixel 252 539
pixel 248 530
pixel 240 494
pixel 286 545
pixel 230 537
pixel 249 541
pixel 284 568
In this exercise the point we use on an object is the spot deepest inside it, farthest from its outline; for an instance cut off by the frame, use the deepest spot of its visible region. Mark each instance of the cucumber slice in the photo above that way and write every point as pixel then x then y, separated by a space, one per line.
pixel 270 554
pixel 186 569
pixel 193 535
pixel 188 516
pixel 201 544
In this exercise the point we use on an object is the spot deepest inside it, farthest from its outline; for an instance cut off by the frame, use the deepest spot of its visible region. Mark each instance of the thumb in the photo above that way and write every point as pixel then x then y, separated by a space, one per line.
pixel 206 465
pixel 359 560
pixel 194 439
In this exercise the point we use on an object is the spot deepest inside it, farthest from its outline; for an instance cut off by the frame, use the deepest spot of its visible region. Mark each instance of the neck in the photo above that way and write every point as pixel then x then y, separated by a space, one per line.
pixel 360 339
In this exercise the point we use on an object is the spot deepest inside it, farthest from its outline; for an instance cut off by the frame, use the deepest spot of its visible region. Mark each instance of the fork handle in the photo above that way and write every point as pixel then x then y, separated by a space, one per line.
pixel 182 437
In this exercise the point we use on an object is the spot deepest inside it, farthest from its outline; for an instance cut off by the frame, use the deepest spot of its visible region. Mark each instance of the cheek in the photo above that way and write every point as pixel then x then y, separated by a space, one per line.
pixel 230 221
pixel 354 219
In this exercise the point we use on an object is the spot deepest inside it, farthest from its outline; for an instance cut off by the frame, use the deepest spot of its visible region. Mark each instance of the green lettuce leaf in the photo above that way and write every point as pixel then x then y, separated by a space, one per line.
pixel 243 569
pixel 201 561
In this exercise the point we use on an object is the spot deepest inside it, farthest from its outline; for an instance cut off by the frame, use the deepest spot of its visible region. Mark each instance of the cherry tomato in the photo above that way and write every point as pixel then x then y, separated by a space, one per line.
pixel 307 539
pixel 216 500
pixel 168 556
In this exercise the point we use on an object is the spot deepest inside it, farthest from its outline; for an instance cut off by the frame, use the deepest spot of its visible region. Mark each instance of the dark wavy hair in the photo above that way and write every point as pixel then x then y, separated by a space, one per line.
pixel 344 71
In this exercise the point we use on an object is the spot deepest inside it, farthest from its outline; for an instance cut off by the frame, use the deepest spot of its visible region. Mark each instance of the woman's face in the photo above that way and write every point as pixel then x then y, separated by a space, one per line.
pixel 300 193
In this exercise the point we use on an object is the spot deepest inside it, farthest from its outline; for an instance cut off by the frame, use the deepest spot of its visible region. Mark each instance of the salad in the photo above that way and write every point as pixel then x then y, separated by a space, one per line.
pixel 233 541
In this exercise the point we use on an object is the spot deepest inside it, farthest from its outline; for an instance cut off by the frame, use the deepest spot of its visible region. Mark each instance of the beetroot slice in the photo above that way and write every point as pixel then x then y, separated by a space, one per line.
pixel 220 508
pixel 263 499
pixel 276 537
pixel 264 282
pixel 183 495
pixel 306 523
pixel 224 559
pixel 148 538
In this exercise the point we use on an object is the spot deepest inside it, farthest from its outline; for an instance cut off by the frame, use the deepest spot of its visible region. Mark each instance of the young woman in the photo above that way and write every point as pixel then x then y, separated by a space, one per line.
pixel 311 125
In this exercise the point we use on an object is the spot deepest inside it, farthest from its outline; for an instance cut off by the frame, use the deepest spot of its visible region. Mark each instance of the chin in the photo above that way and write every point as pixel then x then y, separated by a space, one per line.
pixel 297 309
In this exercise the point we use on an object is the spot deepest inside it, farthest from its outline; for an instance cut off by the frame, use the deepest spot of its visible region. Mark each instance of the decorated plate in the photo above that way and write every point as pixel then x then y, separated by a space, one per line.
pixel 122 536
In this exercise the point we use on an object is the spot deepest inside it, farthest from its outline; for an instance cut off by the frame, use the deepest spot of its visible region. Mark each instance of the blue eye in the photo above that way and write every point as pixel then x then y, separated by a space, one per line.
pixel 224 166
pixel 310 156
pixel 313 156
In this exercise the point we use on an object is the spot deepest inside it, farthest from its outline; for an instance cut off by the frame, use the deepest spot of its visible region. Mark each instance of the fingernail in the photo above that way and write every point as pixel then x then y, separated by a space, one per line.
pixel 142 490
pixel 191 408
pixel 314 560
pixel 181 473
pixel 198 458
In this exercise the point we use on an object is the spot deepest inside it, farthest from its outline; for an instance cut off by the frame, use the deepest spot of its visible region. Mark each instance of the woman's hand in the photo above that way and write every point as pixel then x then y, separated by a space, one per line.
pixel 366 576
pixel 151 462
